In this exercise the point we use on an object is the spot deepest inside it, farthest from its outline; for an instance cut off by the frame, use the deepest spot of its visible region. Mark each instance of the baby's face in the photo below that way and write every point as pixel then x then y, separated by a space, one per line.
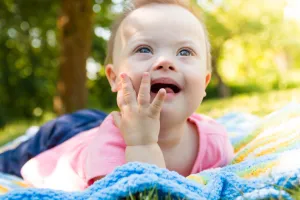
pixel 168 42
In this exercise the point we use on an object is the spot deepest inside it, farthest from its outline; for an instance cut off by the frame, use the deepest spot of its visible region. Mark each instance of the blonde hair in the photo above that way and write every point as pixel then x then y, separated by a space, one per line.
pixel 134 5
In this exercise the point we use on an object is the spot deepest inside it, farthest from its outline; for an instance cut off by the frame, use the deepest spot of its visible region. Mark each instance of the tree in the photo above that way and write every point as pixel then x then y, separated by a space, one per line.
pixel 30 47
pixel 75 27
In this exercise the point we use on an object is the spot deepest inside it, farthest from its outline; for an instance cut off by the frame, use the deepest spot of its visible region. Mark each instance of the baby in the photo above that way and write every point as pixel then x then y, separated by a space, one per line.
pixel 159 64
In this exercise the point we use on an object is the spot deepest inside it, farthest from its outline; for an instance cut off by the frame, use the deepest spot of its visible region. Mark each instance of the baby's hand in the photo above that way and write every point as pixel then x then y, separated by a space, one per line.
pixel 139 121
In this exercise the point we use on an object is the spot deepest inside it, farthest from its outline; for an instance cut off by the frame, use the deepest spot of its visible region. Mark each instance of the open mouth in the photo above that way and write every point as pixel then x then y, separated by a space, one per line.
pixel 170 88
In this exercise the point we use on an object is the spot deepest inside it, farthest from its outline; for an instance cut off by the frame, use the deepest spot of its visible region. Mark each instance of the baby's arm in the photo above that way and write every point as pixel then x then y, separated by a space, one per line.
pixel 151 154
pixel 139 121
pixel 143 153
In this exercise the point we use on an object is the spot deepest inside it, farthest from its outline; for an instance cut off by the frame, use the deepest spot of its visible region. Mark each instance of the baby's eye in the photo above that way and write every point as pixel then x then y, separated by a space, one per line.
pixel 185 52
pixel 143 50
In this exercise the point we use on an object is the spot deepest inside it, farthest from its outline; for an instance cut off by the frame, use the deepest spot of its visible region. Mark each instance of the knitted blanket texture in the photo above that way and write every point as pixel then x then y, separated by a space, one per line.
pixel 266 162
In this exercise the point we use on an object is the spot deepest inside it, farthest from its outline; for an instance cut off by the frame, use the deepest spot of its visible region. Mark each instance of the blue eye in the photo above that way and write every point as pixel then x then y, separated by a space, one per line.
pixel 185 52
pixel 143 50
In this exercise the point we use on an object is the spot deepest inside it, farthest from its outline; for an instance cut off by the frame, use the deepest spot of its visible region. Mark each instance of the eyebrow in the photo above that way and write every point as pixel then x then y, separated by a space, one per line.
pixel 142 38
pixel 186 42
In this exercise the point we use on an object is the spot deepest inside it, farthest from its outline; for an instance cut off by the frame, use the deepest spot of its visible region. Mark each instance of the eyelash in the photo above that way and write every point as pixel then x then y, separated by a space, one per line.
pixel 141 47
pixel 187 49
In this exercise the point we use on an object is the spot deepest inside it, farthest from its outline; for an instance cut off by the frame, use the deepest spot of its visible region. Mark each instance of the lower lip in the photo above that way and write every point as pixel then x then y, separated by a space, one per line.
pixel 169 96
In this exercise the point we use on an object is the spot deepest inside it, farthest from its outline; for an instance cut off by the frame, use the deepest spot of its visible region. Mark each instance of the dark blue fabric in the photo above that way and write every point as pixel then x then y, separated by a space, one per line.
pixel 50 135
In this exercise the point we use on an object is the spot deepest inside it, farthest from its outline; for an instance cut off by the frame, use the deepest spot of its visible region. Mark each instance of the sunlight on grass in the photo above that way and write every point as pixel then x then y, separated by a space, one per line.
pixel 259 104
pixel 17 128
pixel 13 130
pixel 296 194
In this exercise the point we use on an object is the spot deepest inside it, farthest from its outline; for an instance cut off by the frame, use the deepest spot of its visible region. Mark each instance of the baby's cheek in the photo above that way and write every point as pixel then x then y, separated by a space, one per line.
pixel 197 88
pixel 197 80
pixel 136 81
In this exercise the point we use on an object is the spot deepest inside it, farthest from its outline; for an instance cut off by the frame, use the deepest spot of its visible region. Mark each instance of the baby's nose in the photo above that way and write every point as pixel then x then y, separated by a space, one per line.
pixel 164 64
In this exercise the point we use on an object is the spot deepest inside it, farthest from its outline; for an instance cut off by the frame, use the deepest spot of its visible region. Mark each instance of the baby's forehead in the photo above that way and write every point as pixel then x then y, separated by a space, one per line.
pixel 160 17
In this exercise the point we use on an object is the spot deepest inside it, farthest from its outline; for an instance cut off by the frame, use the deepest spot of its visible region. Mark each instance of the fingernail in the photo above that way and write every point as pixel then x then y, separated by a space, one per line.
pixel 162 91
pixel 145 74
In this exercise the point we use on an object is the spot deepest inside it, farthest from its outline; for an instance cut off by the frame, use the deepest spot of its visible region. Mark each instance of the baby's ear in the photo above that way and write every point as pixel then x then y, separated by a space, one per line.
pixel 111 77
pixel 207 79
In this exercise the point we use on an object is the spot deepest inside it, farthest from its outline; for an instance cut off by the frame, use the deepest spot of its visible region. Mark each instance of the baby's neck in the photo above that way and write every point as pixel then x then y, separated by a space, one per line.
pixel 180 145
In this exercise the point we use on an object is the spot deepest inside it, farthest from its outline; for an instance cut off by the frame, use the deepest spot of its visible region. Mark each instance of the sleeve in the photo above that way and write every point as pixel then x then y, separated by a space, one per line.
pixel 70 165
pixel 219 150
pixel 105 152
pixel 60 167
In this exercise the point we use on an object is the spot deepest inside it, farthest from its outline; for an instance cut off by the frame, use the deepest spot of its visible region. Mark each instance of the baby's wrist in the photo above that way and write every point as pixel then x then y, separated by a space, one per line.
pixel 140 141
pixel 150 145
pixel 150 153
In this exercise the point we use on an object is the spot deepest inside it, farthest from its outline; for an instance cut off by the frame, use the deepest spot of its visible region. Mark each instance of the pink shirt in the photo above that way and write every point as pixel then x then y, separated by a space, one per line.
pixel 73 164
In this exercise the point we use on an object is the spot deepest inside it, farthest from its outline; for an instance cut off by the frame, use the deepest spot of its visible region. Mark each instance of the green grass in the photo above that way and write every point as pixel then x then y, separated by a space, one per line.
pixel 259 104
pixel 18 127
pixel 149 195
pixel 295 193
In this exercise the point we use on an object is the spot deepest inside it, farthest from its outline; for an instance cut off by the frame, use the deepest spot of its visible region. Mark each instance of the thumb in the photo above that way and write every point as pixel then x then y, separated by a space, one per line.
pixel 117 118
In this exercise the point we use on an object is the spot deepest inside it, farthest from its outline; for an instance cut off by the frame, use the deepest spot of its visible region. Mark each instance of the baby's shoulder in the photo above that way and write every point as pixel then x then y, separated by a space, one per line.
pixel 108 129
pixel 108 121
pixel 208 125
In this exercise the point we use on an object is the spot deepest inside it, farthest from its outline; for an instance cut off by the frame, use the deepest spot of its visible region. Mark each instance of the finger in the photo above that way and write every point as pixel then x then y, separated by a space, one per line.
pixel 120 99
pixel 157 103
pixel 144 92
pixel 117 118
pixel 128 91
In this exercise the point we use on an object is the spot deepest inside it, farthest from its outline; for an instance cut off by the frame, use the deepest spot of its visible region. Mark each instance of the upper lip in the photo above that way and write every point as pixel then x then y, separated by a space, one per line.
pixel 165 80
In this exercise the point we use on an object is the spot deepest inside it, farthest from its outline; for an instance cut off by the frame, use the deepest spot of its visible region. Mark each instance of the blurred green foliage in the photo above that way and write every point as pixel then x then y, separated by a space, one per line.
pixel 28 55
pixel 254 47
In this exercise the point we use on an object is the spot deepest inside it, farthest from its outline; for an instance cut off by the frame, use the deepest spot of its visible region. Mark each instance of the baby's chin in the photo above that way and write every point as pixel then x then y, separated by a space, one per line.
pixel 175 113
pixel 170 113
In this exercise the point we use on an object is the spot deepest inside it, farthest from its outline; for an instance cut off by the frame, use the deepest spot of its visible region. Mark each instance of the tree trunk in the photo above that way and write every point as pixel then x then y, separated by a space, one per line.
pixel 223 89
pixel 75 31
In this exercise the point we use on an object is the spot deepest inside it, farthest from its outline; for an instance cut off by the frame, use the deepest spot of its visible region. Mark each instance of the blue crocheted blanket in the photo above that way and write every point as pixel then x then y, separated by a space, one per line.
pixel 137 177
pixel 266 162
